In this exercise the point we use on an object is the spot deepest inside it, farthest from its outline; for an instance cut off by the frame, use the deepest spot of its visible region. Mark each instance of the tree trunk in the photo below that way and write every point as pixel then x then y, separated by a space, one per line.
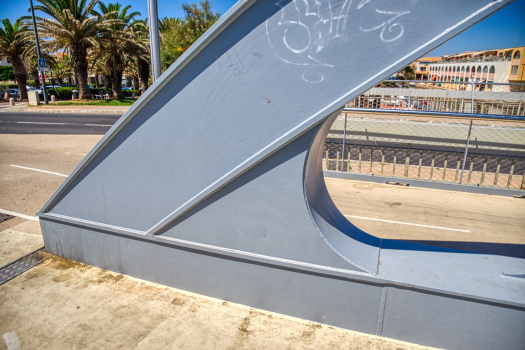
pixel 36 79
pixel 117 77
pixel 80 65
pixel 20 72
pixel 135 83
pixel 144 74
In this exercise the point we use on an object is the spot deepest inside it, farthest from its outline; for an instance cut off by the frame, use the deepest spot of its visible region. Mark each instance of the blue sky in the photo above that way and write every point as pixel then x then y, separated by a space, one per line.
pixel 497 31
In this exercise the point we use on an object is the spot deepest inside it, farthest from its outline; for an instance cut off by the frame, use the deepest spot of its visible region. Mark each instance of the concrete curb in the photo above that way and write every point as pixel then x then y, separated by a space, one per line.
pixel 81 111
pixel 425 184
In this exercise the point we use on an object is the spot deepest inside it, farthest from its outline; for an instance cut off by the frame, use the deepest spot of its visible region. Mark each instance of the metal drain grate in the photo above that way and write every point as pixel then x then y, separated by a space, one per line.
pixel 23 264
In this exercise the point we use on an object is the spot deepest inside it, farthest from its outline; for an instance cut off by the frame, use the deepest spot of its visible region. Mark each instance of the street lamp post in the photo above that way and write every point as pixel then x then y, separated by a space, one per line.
pixel 154 39
pixel 42 75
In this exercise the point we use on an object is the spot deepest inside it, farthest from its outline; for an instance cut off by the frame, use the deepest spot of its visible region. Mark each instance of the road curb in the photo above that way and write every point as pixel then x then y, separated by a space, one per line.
pixel 80 111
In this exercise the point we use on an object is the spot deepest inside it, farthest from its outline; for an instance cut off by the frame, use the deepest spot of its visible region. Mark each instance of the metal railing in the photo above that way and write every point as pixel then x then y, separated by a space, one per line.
pixel 461 97
pixel 473 149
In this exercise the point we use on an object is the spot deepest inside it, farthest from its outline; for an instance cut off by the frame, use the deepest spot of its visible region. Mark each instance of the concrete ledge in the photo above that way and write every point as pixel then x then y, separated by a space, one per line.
pixel 424 184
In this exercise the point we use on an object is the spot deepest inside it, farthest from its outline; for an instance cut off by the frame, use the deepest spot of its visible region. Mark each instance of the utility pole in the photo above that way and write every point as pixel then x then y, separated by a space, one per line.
pixel 154 39
pixel 42 74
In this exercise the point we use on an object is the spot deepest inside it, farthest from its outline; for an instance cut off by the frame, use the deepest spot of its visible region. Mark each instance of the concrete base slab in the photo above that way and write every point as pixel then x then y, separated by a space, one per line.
pixel 62 304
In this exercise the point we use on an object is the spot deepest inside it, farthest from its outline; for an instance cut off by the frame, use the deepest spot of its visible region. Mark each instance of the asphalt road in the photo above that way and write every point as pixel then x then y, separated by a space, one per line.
pixel 56 123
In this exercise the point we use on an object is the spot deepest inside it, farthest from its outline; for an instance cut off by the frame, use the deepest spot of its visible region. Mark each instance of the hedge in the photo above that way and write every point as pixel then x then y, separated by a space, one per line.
pixel 62 93
pixel 129 93
pixel 65 93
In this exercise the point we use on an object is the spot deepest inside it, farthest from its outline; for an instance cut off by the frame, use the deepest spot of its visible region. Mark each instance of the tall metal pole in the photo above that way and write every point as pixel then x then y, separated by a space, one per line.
pixel 154 38
pixel 468 135
pixel 42 75
pixel 344 142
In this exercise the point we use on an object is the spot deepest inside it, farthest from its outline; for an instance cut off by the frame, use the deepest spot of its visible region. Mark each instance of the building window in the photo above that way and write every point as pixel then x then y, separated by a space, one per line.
pixel 454 69
pixel 468 68
pixel 479 69
pixel 509 56
pixel 514 70
pixel 492 69
pixel 423 69
pixel 485 69
pixel 517 55
pixel 463 68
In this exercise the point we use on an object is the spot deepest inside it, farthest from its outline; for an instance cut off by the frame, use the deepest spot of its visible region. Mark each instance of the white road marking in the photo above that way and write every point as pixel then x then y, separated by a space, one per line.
pixel 23 216
pixel 408 223
pixel 41 123
pixel 64 123
pixel 42 171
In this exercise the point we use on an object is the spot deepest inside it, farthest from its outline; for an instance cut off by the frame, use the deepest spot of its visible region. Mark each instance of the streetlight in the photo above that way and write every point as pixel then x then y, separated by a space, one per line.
pixel 42 75
pixel 154 39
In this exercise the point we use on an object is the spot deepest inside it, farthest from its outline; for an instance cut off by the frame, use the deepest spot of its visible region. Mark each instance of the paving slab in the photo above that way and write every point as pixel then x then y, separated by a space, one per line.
pixel 62 304
pixel 19 240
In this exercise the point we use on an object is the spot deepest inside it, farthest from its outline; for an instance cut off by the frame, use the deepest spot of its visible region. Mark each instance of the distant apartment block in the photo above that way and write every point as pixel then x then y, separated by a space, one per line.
pixel 489 66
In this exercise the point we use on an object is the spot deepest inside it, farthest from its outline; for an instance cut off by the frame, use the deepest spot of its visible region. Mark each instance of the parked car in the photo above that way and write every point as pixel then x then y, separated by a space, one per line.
pixel 32 88
pixel 14 93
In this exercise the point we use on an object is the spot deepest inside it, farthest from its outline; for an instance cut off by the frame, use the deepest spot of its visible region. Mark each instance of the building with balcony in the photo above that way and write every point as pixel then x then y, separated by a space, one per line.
pixel 489 66
pixel 422 67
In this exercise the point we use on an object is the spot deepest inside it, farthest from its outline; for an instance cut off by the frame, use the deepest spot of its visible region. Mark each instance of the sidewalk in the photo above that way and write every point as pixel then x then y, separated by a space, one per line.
pixel 73 305
pixel 22 107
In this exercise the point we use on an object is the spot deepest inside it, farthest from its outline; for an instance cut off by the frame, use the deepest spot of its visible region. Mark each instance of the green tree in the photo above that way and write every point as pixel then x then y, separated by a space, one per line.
pixel 32 68
pixel 60 70
pixel 179 35
pixel 13 43
pixel 117 44
pixel 409 73
pixel 72 26
pixel 142 56
pixel 7 74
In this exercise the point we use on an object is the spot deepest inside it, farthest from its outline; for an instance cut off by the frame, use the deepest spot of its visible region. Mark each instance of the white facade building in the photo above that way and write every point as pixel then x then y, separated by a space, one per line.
pixel 490 66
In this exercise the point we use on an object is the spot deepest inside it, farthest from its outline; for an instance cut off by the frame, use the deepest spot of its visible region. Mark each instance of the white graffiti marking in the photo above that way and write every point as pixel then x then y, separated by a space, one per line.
pixel 386 24
pixel 306 31
pixel 307 27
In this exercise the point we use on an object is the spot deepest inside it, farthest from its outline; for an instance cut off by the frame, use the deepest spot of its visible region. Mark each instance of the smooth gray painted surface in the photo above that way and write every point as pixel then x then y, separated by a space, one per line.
pixel 254 223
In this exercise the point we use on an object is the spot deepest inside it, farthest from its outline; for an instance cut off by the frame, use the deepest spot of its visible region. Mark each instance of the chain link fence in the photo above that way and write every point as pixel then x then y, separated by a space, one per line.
pixel 430 148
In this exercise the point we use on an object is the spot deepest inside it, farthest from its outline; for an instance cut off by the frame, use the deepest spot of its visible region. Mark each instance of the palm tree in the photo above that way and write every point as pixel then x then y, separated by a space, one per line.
pixel 166 23
pixel 119 42
pixel 142 56
pixel 13 42
pixel 32 68
pixel 60 71
pixel 72 26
